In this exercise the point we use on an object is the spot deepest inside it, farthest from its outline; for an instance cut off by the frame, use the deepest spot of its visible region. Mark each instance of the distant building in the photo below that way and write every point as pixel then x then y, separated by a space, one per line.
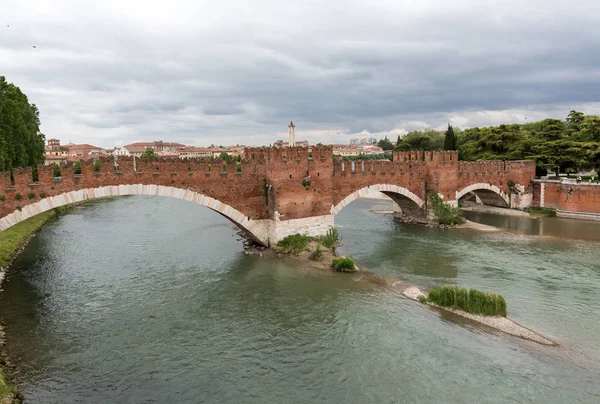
pixel 57 153
pixel 121 151
pixel 192 152
pixel 136 149
pixel 356 150
pixel 292 142
pixel 300 143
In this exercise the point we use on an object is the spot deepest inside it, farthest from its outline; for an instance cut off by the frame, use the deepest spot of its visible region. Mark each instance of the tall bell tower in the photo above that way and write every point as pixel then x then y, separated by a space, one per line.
pixel 292 134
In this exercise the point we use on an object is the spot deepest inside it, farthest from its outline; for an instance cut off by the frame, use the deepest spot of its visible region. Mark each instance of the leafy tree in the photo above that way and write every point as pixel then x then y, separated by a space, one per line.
pixel 385 144
pixel 225 156
pixel 574 120
pixel 96 166
pixel 21 143
pixel 149 154
pixel 421 140
pixel 77 167
pixel 449 139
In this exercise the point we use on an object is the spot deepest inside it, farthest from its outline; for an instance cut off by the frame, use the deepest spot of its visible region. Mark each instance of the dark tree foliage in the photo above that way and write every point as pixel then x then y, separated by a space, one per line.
pixel 449 139
pixel 421 140
pixel 149 154
pixel 385 144
pixel 21 143
pixel 554 144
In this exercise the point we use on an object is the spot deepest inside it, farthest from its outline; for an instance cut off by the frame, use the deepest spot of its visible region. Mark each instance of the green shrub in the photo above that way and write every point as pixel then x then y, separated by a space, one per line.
pixel 2 197
pixel 541 212
pixel 444 213
pixel 56 170
pixel 306 183
pixel 19 208
pixel 42 195
pixel 332 239
pixel 18 197
pixel 469 300
pixel 343 264
pixel 316 254
pixel 293 244
pixel 31 195
pixel 96 166
pixel 238 167
pixel 77 167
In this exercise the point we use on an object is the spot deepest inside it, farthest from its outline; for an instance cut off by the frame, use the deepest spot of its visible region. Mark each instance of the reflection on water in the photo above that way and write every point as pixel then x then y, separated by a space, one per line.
pixel 147 299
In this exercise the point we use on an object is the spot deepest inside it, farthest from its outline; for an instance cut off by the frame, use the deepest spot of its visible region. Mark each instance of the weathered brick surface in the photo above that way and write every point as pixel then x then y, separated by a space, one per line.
pixel 283 170
pixel 241 190
pixel 580 197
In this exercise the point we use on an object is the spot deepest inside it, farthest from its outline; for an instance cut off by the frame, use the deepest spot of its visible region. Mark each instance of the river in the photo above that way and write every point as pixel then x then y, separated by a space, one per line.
pixel 150 300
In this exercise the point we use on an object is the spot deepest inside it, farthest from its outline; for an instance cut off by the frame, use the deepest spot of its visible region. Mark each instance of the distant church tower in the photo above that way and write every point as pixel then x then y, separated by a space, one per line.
pixel 292 134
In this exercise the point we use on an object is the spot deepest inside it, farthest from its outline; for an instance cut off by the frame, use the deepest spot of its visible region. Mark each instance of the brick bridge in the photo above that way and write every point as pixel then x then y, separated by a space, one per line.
pixel 273 192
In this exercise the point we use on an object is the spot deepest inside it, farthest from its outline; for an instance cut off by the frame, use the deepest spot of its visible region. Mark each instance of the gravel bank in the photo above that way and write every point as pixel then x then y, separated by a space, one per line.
pixel 499 323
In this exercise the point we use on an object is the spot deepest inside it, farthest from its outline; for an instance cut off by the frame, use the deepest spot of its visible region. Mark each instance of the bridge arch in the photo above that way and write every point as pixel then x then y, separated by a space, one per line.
pixel 258 230
pixel 488 193
pixel 410 203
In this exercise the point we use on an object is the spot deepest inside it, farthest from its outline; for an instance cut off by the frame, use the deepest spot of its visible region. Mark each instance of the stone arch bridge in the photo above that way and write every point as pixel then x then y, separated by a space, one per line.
pixel 272 192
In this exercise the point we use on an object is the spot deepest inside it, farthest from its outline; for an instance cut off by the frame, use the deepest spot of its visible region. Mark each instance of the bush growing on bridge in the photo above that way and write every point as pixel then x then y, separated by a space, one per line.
pixel 343 264
pixel 469 300
pixel 18 197
pixel 293 244
pixel 31 195
pixel 77 167
pixel 2 197
pixel 444 213
pixel 96 166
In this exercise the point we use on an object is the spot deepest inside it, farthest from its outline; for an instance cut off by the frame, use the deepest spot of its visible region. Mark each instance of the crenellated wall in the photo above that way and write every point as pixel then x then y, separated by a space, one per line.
pixel 287 187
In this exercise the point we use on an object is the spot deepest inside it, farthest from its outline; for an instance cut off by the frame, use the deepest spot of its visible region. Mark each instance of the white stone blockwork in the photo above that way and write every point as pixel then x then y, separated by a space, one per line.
pixel 259 229
pixel 366 191
pixel 311 226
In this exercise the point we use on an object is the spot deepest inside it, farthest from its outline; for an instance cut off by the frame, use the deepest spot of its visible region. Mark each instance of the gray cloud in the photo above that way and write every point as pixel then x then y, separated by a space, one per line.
pixel 201 73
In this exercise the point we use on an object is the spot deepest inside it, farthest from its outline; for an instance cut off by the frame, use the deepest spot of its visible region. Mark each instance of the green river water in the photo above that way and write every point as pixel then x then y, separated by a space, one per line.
pixel 151 300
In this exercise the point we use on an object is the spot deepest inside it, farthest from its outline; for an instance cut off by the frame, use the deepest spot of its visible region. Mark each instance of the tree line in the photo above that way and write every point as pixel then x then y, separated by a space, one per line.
pixel 566 146
pixel 21 142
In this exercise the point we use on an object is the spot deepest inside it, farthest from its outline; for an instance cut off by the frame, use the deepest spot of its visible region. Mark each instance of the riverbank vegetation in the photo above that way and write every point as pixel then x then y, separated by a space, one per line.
pixel 469 300
pixel 12 239
pixel 343 264
pixel 8 392
pixel 443 212
pixel 318 249
pixel 564 145
pixel 533 211
pixel 293 244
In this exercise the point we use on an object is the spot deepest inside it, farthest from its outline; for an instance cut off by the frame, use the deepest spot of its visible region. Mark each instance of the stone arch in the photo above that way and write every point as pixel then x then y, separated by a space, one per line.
pixel 410 203
pixel 488 193
pixel 258 230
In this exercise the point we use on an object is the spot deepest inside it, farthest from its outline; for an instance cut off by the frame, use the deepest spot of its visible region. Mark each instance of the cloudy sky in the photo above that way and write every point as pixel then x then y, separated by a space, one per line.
pixel 112 72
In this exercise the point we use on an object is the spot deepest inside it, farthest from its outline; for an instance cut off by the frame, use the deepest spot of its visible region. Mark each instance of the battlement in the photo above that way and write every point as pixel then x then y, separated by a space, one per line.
pixel 426 156
pixel 271 154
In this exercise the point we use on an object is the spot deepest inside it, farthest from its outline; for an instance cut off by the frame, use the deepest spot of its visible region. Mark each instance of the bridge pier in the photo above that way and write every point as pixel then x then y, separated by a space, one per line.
pixel 314 226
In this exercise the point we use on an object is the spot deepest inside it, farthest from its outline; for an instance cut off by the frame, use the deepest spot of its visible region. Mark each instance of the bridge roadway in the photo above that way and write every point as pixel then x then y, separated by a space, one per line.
pixel 273 192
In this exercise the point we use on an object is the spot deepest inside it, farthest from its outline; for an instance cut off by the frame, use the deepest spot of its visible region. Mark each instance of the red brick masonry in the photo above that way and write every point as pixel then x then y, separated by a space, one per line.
pixel 300 183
